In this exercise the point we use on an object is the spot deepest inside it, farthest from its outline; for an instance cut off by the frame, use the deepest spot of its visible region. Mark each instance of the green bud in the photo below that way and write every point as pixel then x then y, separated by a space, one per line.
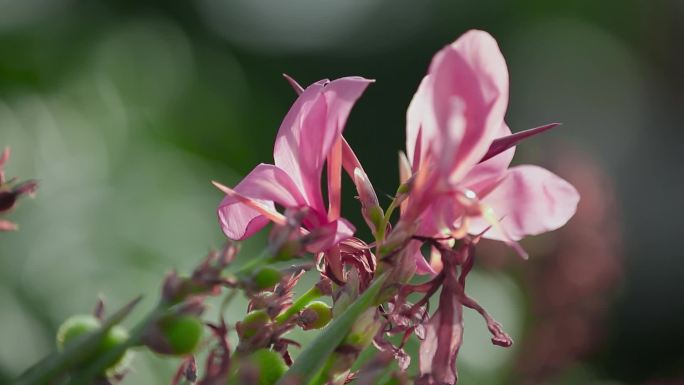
pixel 82 324
pixel 253 321
pixel 182 333
pixel 270 365
pixel 404 188
pixel 370 208
pixel 74 327
pixel 116 336
pixel 315 315
pixel 266 277
pixel 376 215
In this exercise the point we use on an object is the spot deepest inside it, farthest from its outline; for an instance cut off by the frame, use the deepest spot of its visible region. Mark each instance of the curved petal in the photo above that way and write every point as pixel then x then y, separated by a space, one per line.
pixel 423 267
pixel 288 147
pixel 240 222
pixel 268 182
pixel 420 125
pixel 349 160
pixel 265 185
pixel 470 83
pixel 493 167
pixel 309 130
pixel 330 234
pixel 503 143
pixel 530 200
pixel 441 217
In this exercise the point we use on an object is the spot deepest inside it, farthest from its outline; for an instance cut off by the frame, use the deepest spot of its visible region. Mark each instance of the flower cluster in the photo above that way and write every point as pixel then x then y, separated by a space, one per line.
pixel 457 187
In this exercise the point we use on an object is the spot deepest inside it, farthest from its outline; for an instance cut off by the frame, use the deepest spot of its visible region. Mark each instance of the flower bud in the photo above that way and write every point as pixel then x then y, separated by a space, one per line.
pixel 82 324
pixel 266 277
pixel 174 335
pixel 252 323
pixel 315 315
pixel 269 364
pixel 370 208
pixel 183 333
pixel 9 196
pixel 75 327
pixel 405 169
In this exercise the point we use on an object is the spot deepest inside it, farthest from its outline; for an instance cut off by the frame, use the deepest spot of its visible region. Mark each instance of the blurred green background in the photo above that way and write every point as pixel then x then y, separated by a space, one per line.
pixel 125 110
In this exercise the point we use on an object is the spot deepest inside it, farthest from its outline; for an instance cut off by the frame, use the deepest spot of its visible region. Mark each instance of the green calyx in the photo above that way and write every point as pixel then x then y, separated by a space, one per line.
pixel 376 216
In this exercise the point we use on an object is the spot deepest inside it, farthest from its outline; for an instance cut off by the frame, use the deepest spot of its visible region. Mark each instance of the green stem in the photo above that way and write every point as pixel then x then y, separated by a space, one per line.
pixel 86 375
pixel 298 305
pixel 380 234
pixel 264 257
pixel 55 366
pixel 322 377
pixel 312 360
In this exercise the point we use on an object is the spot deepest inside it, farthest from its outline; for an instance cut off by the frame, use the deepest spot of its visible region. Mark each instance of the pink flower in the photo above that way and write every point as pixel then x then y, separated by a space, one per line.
pixel 310 134
pixel 460 149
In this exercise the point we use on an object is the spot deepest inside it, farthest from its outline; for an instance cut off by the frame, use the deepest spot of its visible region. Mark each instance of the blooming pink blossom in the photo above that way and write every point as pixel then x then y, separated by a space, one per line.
pixel 310 134
pixel 460 149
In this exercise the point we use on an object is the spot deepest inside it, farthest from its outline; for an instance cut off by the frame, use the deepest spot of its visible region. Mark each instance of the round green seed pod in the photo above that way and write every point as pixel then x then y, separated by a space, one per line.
pixel 266 277
pixel 74 327
pixel 270 365
pixel 183 333
pixel 315 315
pixel 253 321
pixel 115 337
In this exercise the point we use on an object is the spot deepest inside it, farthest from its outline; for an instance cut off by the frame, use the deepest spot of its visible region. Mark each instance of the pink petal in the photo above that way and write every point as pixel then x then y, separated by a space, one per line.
pixel 530 200
pixel 6 225
pixel 420 125
pixel 494 166
pixel 330 234
pixel 240 222
pixel 349 160
pixel 4 156
pixel 504 142
pixel 265 185
pixel 309 130
pixel 293 83
pixel 440 217
pixel 470 83
pixel 423 267
pixel 335 180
